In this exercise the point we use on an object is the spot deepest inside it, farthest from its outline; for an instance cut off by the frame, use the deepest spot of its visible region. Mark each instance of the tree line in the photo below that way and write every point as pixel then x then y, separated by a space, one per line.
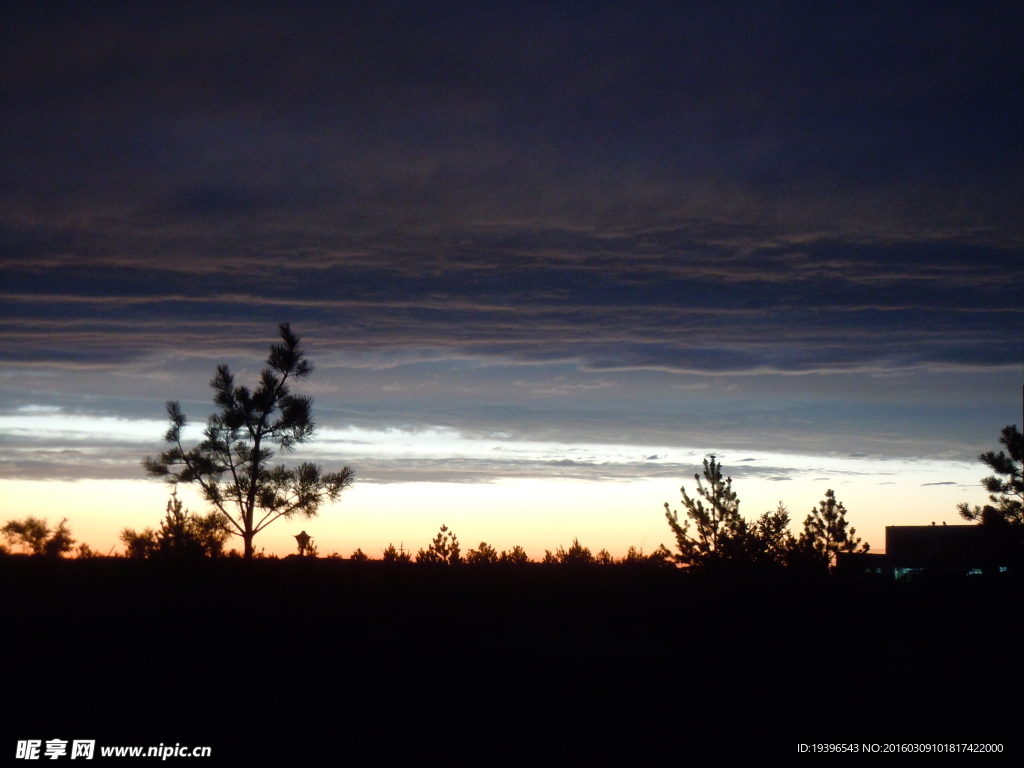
pixel 232 467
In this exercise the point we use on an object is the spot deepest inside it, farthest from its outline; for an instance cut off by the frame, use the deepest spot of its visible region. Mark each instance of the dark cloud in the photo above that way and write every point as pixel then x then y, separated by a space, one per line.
pixel 818 208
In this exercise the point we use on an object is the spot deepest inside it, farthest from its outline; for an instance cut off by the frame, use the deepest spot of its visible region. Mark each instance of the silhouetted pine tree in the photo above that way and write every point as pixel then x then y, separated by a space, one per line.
pixel 1006 486
pixel 232 464
pixel 720 533
pixel 825 533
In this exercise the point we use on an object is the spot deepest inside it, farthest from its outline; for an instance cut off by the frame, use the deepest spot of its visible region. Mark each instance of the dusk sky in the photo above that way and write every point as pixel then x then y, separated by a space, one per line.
pixel 545 257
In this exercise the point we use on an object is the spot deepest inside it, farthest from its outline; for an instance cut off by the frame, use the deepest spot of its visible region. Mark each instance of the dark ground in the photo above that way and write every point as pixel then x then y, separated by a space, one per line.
pixel 297 660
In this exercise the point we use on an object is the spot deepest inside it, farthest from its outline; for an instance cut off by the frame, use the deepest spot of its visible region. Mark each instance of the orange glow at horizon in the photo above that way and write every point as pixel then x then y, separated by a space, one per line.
pixel 534 514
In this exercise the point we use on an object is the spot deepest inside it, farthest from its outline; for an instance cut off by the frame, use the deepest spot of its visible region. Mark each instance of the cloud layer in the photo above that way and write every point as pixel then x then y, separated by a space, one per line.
pixel 794 228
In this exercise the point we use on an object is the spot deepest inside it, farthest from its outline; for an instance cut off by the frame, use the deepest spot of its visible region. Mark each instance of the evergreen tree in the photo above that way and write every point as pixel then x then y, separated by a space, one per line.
pixel 232 464
pixel 825 533
pixel 515 556
pixel 395 554
pixel 1005 487
pixel 659 558
pixel 576 554
pixel 720 532
pixel 443 550
pixel 484 554
pixel 771 543
pixel 1003 518
pixel 139 545
pixel 604 557
pixel 182 534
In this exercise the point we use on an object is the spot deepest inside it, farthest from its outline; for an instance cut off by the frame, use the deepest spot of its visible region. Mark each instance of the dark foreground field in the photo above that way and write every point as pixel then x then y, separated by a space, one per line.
pixel 298 659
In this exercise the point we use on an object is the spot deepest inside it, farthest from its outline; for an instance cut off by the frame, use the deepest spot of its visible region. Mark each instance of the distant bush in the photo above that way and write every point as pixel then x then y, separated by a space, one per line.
pixel 515 556
pixel 659 558
pixel 484 554
pixel 443 550
pixel 182 534
pixel 34 536
pixel 83 552
pixel 577 554
pixel 395 555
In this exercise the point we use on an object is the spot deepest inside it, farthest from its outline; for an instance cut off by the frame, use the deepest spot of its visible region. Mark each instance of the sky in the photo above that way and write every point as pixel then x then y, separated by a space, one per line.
pixel 545 257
